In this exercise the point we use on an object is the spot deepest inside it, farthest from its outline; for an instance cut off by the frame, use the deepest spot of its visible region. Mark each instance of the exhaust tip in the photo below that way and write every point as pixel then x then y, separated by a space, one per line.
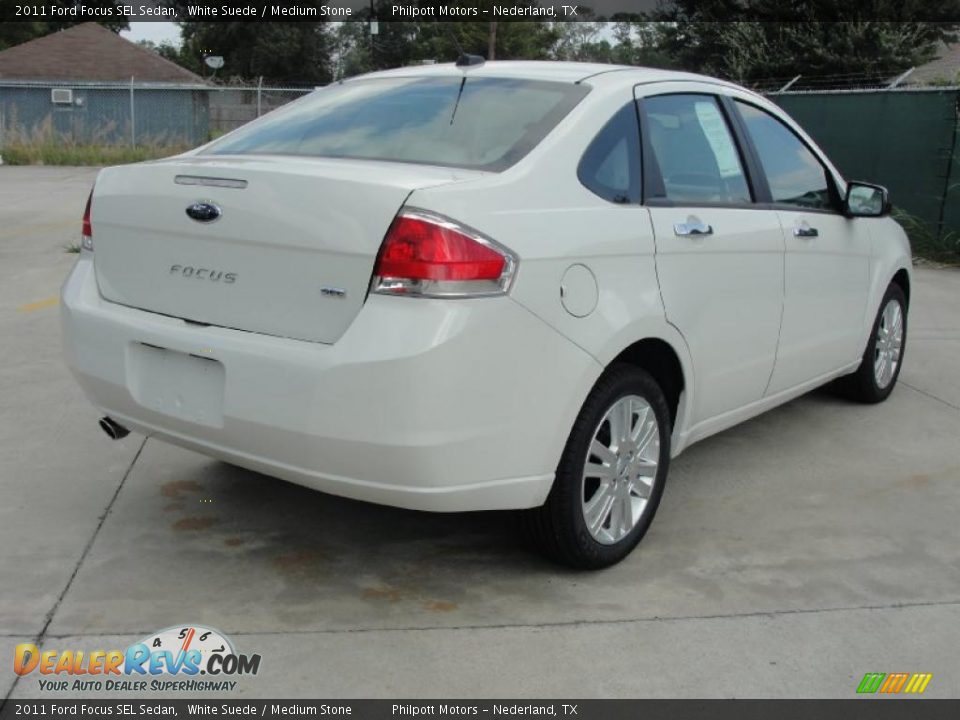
pixel 113 429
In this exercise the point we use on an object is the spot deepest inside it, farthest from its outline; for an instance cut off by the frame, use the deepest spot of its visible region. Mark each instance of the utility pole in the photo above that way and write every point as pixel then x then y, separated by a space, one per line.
pixel 370 28
pixel 492 43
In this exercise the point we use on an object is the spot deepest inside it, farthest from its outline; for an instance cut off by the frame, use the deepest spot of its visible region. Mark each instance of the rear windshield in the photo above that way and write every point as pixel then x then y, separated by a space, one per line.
pixel 477 123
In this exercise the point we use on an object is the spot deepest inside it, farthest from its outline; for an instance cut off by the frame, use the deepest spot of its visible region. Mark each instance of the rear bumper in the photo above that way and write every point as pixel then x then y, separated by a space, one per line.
pixel 424 404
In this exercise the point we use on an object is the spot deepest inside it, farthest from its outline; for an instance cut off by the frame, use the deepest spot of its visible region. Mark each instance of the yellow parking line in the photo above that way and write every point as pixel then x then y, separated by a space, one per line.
pixel 39 304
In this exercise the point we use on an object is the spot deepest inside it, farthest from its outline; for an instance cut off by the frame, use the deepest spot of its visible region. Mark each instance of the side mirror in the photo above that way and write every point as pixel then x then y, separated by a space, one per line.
pixel 866 200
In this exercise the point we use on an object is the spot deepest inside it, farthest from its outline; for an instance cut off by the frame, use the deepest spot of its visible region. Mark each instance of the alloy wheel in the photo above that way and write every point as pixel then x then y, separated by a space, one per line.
pixel 620 469
pixel 889 343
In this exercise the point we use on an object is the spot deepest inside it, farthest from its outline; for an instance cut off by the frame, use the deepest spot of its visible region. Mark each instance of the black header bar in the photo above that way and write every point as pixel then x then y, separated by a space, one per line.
pixel 420 10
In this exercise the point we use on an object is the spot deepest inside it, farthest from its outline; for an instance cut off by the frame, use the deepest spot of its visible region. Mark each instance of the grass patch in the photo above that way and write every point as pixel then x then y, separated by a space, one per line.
pixel 59 153
pixel 44 146
pixel 924 241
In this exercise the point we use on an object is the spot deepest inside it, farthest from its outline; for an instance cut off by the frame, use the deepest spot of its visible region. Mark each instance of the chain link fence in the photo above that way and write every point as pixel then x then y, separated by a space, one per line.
pixel 946 74
pixel 231 107
pixel 134 114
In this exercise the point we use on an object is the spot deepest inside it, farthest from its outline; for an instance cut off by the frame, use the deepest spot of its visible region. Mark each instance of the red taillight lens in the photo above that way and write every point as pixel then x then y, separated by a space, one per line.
pixel 417 249
pixel 86 233
pixel 427 254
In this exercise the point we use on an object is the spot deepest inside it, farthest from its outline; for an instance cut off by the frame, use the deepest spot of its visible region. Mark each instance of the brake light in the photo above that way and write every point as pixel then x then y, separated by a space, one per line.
pixel 430 255
pixel 86 234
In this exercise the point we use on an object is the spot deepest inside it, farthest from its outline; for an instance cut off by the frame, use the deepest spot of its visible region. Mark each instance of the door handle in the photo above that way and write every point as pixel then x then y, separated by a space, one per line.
pixel 805 231
pixel 692 227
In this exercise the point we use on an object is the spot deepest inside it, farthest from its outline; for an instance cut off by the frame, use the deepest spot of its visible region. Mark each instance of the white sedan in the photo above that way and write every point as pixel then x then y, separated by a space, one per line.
pixel 511 285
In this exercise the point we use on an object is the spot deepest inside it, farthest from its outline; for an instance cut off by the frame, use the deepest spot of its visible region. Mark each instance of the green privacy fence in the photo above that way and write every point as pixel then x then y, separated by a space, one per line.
pixel 906 140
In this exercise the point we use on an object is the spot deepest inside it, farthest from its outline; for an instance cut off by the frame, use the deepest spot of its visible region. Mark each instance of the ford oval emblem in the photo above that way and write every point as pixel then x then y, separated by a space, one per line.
pixel 204 212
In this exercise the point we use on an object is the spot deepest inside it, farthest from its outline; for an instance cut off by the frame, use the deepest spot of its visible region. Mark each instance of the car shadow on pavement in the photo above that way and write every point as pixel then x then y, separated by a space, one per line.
pixel 298 530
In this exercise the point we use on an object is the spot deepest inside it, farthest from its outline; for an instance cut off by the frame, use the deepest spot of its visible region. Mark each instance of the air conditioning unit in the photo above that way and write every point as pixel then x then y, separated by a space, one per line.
pixel 61 96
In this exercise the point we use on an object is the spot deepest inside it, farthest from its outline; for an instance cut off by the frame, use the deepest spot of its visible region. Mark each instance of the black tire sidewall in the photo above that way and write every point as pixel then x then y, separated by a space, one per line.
pixel 566 495
pixel 872 392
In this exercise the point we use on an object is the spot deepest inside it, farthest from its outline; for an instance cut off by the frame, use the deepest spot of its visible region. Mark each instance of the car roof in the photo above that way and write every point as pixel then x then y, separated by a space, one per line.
pixel 545 70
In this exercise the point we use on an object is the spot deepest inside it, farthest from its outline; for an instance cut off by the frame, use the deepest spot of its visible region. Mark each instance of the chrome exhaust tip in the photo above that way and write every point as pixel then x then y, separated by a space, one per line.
pixel 113 429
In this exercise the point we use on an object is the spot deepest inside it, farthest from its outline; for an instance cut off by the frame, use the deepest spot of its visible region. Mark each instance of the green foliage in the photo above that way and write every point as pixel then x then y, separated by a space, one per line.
pixel 297 52
pixel 80 154
pixel 398 44
pixel 945 81
pixel 166 49
pixel 753 39
pixel 14 33
pixel 279 52
pixel 44 146
pixel 926 242
pixel 634 43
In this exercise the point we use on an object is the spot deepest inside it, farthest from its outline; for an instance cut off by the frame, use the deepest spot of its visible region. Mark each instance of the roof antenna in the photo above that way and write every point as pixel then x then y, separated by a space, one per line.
pixel 464 60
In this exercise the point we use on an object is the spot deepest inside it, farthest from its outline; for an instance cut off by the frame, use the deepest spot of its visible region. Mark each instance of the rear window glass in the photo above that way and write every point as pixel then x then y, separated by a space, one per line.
pixel 477 123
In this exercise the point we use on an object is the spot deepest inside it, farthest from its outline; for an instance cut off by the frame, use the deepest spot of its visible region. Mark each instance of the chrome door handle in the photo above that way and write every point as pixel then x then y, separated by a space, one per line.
pixel 692 227
pixel 805 231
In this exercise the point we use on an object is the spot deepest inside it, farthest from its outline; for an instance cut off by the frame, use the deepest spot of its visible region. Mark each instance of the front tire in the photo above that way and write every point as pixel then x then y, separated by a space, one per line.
pixel 880 366
pixel 611 475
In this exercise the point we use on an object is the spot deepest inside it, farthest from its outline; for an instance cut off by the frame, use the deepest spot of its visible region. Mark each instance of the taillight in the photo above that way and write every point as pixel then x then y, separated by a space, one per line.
pixel 86 234
pixel 430 255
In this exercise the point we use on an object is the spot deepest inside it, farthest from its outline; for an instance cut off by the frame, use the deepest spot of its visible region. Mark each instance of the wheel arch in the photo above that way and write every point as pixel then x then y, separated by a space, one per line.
pixel 661 361
pixel 894 274
pixel 901 278
pixel 664 354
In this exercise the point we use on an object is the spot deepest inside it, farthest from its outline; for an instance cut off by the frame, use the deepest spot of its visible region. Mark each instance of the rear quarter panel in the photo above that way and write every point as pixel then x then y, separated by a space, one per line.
pixel 540 210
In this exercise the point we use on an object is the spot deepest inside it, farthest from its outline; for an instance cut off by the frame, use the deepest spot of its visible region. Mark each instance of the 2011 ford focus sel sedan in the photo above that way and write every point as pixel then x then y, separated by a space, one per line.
pixel 512 285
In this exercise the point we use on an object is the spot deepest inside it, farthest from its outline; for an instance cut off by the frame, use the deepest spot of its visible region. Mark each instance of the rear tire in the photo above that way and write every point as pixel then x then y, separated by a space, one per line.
pixel 611 475
pixel 880 365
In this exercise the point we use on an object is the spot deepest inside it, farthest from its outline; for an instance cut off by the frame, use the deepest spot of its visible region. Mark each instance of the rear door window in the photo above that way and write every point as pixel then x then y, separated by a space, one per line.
pixel 698 158
pixel 468 122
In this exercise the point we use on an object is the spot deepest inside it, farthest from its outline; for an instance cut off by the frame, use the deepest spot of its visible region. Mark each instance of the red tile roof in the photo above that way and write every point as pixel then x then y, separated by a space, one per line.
pixel 89 52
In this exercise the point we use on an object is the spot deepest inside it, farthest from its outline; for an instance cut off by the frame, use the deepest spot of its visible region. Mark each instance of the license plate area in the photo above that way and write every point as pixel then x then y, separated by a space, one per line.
pixel 184 386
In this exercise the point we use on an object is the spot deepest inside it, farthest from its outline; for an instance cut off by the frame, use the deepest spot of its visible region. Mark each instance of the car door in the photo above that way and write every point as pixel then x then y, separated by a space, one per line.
pixel 719 256
pixel 827 262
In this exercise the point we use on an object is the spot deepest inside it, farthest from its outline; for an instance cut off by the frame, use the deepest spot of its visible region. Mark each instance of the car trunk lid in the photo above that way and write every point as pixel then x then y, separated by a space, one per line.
pixel 290 252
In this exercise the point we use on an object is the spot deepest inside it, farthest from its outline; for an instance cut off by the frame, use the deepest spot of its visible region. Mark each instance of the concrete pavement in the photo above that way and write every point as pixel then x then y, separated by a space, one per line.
pixel 790 555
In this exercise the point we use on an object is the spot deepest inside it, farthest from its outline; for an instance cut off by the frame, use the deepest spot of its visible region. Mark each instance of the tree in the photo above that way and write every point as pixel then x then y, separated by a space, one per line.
pixel 397 44
pixel 581 40
pixel 621 41
pixel 293 52
pixel 640 43
pixel 754 39
pixel 443 41
pixel 165 49
pixel 15 33
pixel 350 50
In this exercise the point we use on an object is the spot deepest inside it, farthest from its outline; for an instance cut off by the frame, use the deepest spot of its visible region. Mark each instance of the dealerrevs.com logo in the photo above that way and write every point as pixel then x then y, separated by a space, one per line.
pixel 185 658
